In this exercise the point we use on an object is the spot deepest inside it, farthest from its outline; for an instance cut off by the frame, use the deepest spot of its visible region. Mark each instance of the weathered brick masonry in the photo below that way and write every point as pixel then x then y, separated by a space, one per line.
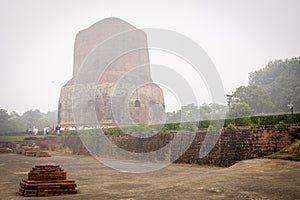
pixel 232 146
pixel 237 145
pixel 47 180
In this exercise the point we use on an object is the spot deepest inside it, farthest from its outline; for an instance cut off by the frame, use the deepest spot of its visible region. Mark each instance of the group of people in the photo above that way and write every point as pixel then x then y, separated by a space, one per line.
pixel 52 131
pixel 47 130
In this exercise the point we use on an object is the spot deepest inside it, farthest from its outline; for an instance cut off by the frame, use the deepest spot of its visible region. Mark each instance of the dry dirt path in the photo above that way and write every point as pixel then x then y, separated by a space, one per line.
pixel 251 179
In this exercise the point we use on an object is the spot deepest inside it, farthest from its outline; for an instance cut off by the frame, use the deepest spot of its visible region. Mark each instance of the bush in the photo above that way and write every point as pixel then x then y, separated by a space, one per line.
pixel 204 124
pixel 256 120
pixel 253 126
pixel 171 127
pixel 189 126
pixel 231 127
pixel 242 121
pixel 253 121
pixel 229 121
pixel 296 118
pixel 275 119
pixel 112 131
pixel 282 125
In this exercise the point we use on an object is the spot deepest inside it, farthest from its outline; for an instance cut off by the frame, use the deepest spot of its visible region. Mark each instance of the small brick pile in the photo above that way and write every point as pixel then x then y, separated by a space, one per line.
pixel 6 147
pixel 33 152
pixel 47 180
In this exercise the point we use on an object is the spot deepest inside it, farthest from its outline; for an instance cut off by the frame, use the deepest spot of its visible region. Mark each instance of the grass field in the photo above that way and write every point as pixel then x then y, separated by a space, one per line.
pixel 13 138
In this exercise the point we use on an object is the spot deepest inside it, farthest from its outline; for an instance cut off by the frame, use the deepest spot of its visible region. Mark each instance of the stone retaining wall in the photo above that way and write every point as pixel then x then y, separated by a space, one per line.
pixel 232 146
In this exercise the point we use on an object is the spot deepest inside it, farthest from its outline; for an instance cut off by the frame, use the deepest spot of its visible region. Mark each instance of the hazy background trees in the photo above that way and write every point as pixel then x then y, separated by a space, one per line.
pixel 192 112
pixel 13 122
pixel 281 79
pixel 257 98
pixel 270 90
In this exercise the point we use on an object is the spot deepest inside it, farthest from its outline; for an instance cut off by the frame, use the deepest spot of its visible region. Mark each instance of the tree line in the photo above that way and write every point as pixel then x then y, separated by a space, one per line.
pixel 13 122
pixel 272 89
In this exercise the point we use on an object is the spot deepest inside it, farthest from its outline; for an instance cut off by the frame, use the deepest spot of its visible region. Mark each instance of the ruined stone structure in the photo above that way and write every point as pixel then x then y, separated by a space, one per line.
pixel 111 81
pixel 232 146
pixel 47 180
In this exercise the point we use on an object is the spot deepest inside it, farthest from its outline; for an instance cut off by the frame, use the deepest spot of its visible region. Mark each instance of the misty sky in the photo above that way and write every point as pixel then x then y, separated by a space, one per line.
pixel 37 38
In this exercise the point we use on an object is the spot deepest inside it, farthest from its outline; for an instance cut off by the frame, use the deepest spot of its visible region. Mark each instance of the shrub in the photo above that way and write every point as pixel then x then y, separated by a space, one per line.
pixel 253 126
pixel 204 124
pixel 112 131
pixel 189 126
pixel 229 121
pixel 242 121
pixel 231 127
pixel 171 127
pixel 282 125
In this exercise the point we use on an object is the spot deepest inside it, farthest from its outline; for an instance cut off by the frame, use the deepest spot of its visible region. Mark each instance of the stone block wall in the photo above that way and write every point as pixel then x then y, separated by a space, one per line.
pixel 237 145
pixel 232 146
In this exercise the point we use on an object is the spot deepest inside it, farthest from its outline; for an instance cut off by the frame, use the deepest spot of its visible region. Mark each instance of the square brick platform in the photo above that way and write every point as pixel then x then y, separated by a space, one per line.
pixel 47 180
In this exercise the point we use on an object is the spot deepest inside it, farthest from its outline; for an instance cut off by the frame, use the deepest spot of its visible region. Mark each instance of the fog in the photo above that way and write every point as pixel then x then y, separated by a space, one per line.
pixel 37 39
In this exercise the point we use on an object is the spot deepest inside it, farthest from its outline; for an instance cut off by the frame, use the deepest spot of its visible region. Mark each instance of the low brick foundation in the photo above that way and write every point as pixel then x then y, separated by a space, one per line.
pixel 47 180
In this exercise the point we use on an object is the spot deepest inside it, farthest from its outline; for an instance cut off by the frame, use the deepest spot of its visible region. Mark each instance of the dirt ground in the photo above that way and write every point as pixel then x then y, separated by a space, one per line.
pixel 251 179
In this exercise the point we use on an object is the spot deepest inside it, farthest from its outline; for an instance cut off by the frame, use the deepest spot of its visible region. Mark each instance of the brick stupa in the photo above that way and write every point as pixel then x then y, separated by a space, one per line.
pixel 47 180
pixel 111 66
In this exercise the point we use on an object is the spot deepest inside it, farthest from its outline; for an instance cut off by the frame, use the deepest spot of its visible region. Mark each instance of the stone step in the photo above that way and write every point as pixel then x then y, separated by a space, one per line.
pixel 51 181
pixel 54 192
pixel 37 176
pixel 47 185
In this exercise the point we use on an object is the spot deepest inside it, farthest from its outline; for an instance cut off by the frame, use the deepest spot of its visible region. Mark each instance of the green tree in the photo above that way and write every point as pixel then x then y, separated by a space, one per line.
pixel 173 116
pixel 34 118
pixel 192 112
pixel 280 78
pixel 13 122
pixel 239 109
pixel 256 97
pixel 205 111
pixel 16 122
pixel 51 117
pixel 217 111
pixel 4 121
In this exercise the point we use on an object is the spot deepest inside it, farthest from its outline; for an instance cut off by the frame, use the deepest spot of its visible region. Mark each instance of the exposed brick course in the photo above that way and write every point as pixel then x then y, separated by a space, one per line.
pixel 47 180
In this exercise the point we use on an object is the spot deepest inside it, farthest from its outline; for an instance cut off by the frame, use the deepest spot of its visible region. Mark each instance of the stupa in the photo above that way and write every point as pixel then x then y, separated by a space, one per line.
pixel 111 83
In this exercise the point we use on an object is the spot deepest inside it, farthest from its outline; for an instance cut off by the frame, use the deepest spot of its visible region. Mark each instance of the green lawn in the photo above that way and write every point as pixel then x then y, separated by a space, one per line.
pixel 13 138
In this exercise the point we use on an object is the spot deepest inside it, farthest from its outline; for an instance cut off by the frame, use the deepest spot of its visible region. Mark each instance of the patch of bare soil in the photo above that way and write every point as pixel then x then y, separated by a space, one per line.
pixel 251 179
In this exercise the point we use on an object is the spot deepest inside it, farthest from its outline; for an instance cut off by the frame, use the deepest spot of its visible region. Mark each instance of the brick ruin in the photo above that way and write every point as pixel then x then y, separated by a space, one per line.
pixel 241 144
pixel 111 71
pixel 47 180
pixel 31 146
pixel 31 149
pixel 231 147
